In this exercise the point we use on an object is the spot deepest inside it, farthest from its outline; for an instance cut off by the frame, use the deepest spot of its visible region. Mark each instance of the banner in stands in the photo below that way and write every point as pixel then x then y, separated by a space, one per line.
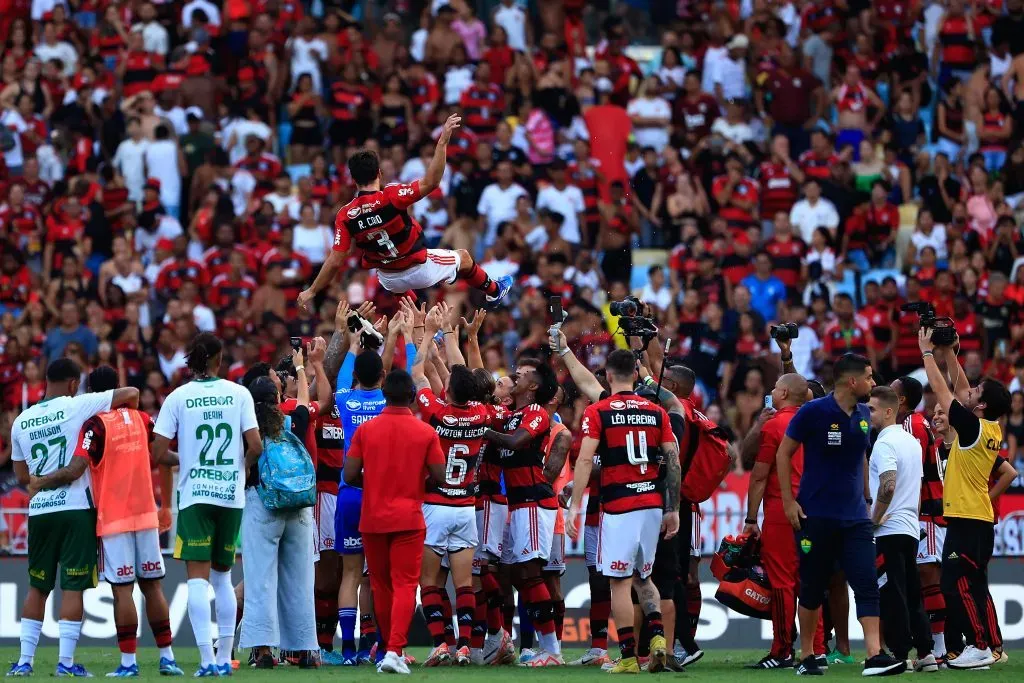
pixel 719 627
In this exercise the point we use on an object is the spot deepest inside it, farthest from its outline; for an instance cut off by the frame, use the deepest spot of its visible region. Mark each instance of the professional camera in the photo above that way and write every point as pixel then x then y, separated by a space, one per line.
pixel 943 328
pixel 784 332
pixel 369 337
pixel 631 322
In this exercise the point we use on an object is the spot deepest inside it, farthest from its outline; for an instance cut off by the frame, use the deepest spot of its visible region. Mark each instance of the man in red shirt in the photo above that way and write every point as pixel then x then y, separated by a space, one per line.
pixel 387 458
pixel 778 545
pixel 377 224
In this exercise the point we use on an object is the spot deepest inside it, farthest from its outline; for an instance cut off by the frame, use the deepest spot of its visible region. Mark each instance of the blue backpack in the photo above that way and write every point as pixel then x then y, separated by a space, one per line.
pixel 287 477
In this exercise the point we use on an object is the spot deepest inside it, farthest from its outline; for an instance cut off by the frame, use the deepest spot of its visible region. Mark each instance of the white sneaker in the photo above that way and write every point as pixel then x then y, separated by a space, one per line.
pixel 393 664
pixel 973 658
pixel 541 658
pixel 689 658
pixel 494 646
pixel 926 665
pixel 595 656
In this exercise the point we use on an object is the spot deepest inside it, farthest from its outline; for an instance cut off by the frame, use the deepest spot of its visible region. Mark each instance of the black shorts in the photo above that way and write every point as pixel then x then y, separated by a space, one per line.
pixel 821 542
pixel 665 572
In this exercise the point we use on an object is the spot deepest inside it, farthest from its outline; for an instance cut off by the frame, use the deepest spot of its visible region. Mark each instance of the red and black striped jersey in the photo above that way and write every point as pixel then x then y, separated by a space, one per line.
pixel 482 107
pixel 816 166
pixel 629 430
pixel 523 468
pixel 847 338
pixel 265 168
pixel 424 93
pixel 14 288
pixel 23 220
pixel 956 43
pixel 461 431
pixel 349 101
pixel 174 273
pixel 114 201
pixel 931 479
pixel 381 227
pixel 787 259
pixel 225 291
pixel 778 189
pixel 330 451
pixel 140 68
pixel 218 259
pixel 589 181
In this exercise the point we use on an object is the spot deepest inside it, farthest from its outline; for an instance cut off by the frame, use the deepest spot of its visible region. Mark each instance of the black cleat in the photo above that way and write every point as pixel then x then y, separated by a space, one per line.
pixel 770 662
pixel 809 667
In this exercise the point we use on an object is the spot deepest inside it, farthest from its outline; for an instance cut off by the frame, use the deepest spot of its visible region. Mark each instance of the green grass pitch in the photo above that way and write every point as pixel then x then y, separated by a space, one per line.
pixel 717 665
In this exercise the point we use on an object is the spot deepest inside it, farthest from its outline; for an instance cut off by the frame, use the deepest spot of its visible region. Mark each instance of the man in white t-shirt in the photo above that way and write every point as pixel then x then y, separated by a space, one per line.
pixel 15 124
pixel 51 47
pixel 813 212
pixel 651 116
pixel 282 198
pixel 563 198
pixel 498 201
pixel 130 159
pixel 894 482
pixel 166 163
pixel 728 75
pixel 511 17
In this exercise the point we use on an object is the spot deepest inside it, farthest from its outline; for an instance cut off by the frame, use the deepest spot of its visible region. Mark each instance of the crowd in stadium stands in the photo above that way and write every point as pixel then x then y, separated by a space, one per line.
pixel 169 168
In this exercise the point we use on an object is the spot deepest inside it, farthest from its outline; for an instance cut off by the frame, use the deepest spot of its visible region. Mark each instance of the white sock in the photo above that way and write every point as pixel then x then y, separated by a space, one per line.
pixel 199 615
pixel 226 604
pixel 127 658
pixel 549 643
pixel 167 653
pixel 939 644
pixel 69 632
pixel 30 630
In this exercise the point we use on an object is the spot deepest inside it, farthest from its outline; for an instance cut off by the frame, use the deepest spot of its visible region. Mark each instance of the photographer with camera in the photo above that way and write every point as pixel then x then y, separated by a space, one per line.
pixel 974 412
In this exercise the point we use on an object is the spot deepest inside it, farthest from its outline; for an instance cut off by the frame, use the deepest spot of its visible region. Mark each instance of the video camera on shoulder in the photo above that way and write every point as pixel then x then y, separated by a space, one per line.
pixel 631 322
pixel 369 337
pixel 784 332
pixel 943 328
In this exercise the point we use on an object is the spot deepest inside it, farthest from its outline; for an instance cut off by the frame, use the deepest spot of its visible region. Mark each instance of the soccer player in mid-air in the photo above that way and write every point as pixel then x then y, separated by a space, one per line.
pixel 61 520
pixel 113 448
pixel 214 422
pixel 377 223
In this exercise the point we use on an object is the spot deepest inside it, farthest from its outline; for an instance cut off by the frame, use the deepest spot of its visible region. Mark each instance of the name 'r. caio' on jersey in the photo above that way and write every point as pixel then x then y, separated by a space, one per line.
pixel 381 227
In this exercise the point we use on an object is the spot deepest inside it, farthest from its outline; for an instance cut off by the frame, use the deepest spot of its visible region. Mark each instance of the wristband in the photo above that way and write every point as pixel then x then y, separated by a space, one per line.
pixel 452 332
pixel 785 359
pixel 563 352
pixel 748 520
pixel 927 353
pixel 300 367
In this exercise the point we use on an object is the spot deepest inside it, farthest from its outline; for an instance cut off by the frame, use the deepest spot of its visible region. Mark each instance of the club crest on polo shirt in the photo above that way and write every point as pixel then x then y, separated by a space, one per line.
pixel 864 426
pixel 805 545
pixel 835 436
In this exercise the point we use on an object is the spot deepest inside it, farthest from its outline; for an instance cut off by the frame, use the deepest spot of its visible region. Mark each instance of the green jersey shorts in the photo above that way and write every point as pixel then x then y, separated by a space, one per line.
pixel 67 539
pixel 207 533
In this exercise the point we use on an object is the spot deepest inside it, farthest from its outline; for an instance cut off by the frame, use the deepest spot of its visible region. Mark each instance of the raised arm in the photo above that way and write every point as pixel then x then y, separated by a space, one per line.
pixel 316 351
pixel 581 376
pixel 474 357
pixel 419 364
pixel 301 382
pixel 435 170
pixel 936 380
pixel 451 335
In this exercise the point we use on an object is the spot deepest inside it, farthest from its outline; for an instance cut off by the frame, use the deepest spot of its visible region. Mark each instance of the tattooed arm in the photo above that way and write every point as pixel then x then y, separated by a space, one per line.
pixel 556 458
pixel 886 490
pixel 670 520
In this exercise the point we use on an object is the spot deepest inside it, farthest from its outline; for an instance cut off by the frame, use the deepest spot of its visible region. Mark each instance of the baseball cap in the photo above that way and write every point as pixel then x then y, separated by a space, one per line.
pixel 164 244
pixel 152 184
pixel 194 113
pixel 738 42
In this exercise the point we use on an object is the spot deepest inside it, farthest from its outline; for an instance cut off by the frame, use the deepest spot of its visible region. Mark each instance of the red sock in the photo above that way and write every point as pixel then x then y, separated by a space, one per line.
pixel 495 601
pixel 935 606
pixel 126 640
pixel 538 601
pixel 446 611
pixel 694 601
pixel 476 639
pixel 465 608
pixel 559 608
pixel 433 612
pixel 478 279
pixel 161 632
pixel 326 610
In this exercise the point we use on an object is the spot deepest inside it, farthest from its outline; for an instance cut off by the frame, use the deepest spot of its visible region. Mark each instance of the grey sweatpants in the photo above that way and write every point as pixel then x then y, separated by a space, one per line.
pixel 277 565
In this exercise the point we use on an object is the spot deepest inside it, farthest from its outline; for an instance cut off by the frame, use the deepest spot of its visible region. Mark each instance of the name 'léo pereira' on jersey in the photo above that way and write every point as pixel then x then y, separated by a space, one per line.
pixel 44 437
pixel 209 417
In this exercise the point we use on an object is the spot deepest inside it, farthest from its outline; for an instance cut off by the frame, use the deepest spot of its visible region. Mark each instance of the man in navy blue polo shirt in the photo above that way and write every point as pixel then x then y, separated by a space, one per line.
pixel 830 514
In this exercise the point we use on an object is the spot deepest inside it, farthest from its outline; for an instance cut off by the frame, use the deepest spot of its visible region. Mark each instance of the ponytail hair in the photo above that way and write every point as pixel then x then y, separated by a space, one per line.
pixel 203 348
